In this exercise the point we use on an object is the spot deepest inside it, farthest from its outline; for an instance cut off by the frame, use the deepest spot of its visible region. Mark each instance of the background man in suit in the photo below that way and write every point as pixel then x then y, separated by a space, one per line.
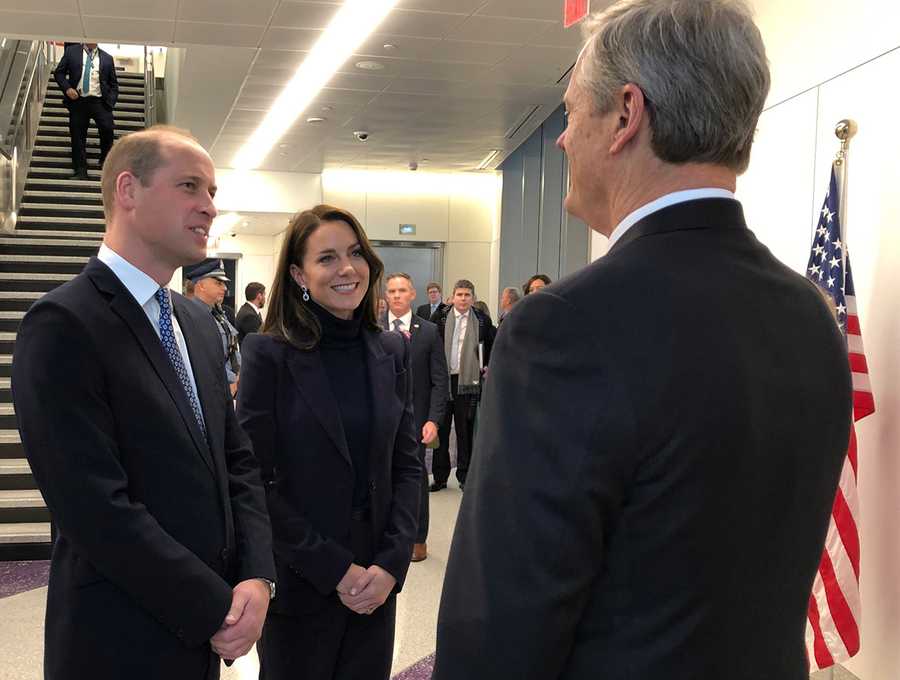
pixel 249 316
pixel 677 451
pixel 163 560
pixel 468 336
pixel 430 380
pixel 435 304
pixel 87 77
pixel 508 298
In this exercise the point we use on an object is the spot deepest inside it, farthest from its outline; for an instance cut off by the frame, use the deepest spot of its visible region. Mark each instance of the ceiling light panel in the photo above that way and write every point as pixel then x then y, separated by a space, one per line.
pixel 353 23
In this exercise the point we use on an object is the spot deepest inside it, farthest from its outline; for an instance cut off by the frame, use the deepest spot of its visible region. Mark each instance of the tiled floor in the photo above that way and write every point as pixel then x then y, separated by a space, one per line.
pixel 22 614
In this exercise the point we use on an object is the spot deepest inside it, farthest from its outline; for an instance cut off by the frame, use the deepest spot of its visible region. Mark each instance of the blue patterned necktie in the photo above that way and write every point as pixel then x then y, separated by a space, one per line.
pixel 86 79
pixel 167 337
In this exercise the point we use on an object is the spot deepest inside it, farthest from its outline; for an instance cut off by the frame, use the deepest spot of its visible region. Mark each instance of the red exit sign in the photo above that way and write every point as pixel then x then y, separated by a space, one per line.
pixel 574 11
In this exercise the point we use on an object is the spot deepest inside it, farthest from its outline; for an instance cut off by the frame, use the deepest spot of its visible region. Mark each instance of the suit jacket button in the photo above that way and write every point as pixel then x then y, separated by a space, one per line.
pixel 372 485
pixel 224 554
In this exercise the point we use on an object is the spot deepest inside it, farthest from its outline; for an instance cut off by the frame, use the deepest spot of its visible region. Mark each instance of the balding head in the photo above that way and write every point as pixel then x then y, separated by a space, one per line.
pixel 142 154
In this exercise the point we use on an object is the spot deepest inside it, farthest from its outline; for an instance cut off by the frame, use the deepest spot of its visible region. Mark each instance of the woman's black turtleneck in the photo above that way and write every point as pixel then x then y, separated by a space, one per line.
pixel 344 357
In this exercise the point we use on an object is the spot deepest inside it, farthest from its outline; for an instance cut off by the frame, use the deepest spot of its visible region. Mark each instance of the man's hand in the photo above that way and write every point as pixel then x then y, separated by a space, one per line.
pixel 244 621
pixel 429 432
pixel 72 93
pixel 370 591
pixel 354 574
pixel 233 387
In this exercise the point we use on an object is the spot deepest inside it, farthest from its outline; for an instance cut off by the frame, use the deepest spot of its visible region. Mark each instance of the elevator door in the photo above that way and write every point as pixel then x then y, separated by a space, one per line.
pixel 422 261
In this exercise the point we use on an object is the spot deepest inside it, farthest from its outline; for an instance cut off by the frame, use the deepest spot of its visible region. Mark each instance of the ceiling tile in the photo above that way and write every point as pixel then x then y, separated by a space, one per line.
pixel 304 14
pixel 254 13
pixel 495 29
pixel 132 9
pixel 138 31
pixel 290 39
pixel 419 24
pixel 54 6
pixel 434 49
pixel 35 24
pixel 556 35
pixel 523 9
pixel 457 6
pixel 192 32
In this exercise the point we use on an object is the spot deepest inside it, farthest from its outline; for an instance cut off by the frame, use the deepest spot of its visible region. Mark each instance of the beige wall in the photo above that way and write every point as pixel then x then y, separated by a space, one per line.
pixel 458 210
pixel 823 71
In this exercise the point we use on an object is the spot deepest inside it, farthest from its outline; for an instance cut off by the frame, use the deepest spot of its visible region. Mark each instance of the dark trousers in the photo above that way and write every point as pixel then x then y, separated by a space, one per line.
pixel 460 410
pixel 333 643
pixel 81 111
pixel 422 534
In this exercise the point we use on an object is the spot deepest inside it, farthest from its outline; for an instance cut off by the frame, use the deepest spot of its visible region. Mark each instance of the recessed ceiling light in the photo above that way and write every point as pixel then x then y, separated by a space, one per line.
pixel 369 65
pixel 327 108
pixel 389 46
pixel 315 119
pixel 355 21
pixel 284 146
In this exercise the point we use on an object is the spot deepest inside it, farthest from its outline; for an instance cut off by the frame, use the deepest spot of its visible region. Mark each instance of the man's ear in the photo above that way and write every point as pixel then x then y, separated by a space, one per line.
pixel 632 110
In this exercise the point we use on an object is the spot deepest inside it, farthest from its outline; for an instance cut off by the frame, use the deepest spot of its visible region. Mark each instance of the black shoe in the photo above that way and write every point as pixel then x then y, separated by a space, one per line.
pixel 437 486
pixel 462 486
pixel 80 175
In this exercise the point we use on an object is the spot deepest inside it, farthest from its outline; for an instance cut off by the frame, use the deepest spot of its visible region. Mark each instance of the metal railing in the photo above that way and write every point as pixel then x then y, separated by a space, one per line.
pixel 21 99
pixel 149 89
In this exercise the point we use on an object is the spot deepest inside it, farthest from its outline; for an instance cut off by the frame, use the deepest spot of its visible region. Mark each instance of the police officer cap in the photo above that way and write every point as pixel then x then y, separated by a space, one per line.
pixel 210 267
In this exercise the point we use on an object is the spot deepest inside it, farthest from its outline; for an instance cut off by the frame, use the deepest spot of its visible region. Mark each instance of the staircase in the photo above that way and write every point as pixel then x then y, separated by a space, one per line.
pixel 60 226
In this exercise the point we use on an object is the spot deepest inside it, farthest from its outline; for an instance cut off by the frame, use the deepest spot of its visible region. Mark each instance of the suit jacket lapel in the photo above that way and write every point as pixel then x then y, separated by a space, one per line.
pixel 125 306
pixel 380 366
pixel 309 375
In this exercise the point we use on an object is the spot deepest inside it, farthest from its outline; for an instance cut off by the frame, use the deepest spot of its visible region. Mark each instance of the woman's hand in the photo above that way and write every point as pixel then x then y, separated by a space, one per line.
pixel 370 591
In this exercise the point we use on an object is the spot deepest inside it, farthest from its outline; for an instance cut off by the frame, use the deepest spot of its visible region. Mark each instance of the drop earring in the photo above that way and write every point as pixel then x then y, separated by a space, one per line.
pixel 305 293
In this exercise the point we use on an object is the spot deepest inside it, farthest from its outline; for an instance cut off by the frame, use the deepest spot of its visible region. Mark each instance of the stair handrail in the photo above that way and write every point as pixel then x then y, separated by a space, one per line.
pixel 35 66
pixel 149 88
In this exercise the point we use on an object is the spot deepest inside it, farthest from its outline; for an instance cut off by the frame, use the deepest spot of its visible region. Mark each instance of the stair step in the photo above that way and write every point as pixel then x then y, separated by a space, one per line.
pixel 74 207
pixel 62 172
pixel 52 140
pixel 36 276
pixel 21 498
pixel 49 234
pixel 25 532
pixel 7 409
pixel 45 259
pixel 62 183
pixel 62 112
pixel 55 104
pixel 58 121
pixel 62 131
pixel 83 195
pixel 14 466
pixel 10 437
pixel 10 316
pixel 6 337
pixel 43 219
pixel 50 242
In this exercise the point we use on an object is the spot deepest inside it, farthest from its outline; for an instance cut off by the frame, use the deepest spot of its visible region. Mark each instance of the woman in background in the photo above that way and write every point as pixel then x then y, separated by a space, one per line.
pixel 535 283
pixel 326 398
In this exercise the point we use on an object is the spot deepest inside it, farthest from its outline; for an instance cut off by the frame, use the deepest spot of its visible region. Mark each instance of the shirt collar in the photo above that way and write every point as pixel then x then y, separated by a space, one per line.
pixel 141 286
pixel 664 202
pixel 406 319
pixel 459 315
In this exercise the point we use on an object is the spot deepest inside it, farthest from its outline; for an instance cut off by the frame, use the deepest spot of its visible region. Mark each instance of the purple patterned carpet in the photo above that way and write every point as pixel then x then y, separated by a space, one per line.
pixel 418 671
pixel 18 577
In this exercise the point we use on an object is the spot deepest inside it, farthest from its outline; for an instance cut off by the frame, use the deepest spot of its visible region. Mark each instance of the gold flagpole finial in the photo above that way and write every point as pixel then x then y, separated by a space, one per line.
pixel 844 131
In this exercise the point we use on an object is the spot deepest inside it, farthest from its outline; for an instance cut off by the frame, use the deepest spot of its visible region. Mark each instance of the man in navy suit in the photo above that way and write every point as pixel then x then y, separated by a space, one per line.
pixel 431 380
pixel 654 483
pixel 163 561
pixel 86 75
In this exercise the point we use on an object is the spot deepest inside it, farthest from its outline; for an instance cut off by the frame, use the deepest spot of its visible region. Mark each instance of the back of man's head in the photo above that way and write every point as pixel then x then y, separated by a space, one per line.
pixel 253 290
pixel 141 153
pixel 701 65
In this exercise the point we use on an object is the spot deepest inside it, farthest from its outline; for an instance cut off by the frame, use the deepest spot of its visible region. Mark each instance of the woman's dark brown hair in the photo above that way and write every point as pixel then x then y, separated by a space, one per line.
pixel 288 317
pixel 526 287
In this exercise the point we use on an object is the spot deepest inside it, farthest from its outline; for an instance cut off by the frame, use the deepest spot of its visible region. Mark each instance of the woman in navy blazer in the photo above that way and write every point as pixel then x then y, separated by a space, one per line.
pixel 326 398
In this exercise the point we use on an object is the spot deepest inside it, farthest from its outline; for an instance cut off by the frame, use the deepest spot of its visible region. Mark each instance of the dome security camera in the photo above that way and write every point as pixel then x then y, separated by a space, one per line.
pixel 361 135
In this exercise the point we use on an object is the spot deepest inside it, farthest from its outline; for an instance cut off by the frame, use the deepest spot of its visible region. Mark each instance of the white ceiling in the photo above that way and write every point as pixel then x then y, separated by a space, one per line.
pixel 463 77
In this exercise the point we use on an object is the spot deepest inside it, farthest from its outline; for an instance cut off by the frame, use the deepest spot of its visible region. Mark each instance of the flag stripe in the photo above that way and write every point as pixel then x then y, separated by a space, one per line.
pixel 852 324
pixel 821 655
pixel 858 363
pixel 841 615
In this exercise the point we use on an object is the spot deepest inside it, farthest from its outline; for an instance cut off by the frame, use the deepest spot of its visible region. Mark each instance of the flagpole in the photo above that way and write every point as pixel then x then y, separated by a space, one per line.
pixel 844 131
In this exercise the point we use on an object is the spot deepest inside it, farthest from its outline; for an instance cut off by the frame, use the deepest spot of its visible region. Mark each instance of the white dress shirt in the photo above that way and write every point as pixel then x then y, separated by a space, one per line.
pixel 406 320
pixel 459 333
pixel 143 290
pixel 94 89
pixel 664 202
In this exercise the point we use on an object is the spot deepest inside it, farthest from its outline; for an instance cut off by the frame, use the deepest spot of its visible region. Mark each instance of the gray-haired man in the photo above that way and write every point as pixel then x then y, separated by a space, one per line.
pixel 676 452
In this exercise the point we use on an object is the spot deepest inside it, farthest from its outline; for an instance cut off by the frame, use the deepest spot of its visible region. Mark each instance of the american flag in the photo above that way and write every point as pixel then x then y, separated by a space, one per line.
pixel 832 629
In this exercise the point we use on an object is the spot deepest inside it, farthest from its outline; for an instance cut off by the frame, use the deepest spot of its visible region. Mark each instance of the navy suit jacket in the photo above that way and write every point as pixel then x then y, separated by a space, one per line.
pixel 286 405
pixel 674 455
pixel 156 521
pixel 431 378
pixel 68 73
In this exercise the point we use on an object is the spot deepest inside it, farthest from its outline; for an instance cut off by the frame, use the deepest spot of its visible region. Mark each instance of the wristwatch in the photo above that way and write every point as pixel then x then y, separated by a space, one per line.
pixel 271 585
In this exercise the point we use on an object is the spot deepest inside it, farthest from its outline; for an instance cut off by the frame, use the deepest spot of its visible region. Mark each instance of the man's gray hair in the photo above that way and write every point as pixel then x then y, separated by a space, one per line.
pixel 512 292
pixel 701 65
